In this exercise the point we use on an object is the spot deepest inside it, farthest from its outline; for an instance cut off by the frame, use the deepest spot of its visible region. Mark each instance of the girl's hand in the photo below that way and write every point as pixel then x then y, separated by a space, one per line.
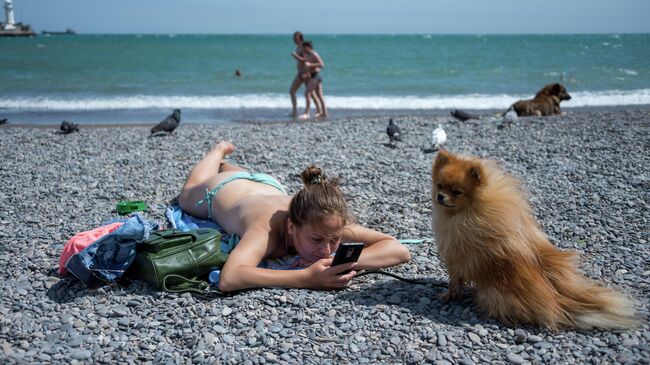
pixel 321 275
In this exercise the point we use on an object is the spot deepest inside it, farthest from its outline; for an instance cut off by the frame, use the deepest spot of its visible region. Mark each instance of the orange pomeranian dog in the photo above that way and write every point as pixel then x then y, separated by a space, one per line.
pixel 487 236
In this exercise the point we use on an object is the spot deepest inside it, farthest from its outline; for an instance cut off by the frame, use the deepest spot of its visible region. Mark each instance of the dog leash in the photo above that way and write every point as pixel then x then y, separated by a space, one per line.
pixel 416 241
pixel 408 280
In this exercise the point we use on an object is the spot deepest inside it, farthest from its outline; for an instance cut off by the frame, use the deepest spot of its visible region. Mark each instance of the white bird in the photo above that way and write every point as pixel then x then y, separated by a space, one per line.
pixel 438 137
pixel 508 119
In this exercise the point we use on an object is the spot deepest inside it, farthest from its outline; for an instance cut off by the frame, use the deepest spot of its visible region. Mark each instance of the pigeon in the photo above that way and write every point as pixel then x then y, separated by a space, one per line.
pixel 462 116
pixel 3 121
pixel 393 132
pixel 168 124
pixel 438 137
pixel 68 127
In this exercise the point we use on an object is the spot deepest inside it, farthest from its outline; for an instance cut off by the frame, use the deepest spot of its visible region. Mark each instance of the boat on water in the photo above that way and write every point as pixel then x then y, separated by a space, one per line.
pixel 12 29
pixel 66 32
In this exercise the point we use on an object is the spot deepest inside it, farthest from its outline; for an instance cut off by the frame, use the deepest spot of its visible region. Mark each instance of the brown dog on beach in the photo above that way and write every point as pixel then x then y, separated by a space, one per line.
pixel 489 239
pixel 546 102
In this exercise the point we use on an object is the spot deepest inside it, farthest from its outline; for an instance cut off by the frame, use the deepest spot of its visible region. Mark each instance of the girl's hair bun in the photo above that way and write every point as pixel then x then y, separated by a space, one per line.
pixel 312 175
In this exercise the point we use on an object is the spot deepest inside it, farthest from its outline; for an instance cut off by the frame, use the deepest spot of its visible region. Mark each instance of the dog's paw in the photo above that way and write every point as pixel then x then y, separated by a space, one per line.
pixel 445 297
pixel 449 296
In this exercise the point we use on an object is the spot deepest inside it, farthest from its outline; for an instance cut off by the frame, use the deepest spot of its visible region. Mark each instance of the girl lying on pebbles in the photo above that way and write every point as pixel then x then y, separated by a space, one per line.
pixel 272 224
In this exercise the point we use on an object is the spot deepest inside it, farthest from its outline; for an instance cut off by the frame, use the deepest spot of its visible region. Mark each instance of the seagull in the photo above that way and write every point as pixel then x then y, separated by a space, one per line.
pixel 393 132
pixel 438 137
pixel 168 124
pixel 508 119
pixel 68 127
pixel 462 116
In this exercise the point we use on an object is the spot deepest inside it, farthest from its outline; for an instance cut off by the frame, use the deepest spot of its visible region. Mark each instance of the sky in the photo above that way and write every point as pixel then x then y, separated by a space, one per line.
pixel 337 16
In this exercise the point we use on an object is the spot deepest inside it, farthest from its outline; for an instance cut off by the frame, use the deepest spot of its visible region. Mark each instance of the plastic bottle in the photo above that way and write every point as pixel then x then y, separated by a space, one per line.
pixel 214 277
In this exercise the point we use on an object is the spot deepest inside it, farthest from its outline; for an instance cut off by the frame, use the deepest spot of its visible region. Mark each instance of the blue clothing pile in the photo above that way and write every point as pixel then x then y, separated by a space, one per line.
pixel 106 260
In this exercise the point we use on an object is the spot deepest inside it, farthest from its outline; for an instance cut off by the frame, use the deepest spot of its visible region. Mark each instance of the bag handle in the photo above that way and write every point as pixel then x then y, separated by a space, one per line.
pixel 175 283
pixel 171 238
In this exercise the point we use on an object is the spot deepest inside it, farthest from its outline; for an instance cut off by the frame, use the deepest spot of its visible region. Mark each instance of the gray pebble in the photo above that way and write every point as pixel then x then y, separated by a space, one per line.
pixel 514 358
pixel 81 355
pixel 534 339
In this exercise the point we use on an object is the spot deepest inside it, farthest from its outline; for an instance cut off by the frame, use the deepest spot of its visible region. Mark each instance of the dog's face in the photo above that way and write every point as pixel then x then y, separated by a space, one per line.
pixel 560 92
pixel 557 90
pixel 455 182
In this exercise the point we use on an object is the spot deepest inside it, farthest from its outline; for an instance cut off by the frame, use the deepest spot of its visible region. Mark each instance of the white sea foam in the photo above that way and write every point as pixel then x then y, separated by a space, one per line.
pixel 280 101
pixel 628 72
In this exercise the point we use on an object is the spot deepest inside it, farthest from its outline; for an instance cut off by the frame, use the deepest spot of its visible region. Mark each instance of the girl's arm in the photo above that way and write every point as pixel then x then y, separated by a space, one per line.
pixel 241 271
pixel 381 250
pixel 297 57
pixel 319 62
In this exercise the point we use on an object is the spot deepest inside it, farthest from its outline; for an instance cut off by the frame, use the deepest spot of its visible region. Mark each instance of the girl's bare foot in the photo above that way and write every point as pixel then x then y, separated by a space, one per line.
pixel 225 147
pixel 321 115
pixel 304 116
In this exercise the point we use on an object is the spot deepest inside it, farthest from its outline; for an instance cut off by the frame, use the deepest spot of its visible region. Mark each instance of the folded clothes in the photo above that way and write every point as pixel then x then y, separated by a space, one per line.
pixel 82 240
pixel 106 259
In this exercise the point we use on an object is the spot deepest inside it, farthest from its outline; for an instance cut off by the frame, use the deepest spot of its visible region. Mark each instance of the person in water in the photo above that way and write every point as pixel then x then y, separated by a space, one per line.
pixel 313 64
pixel 302 76
pixel 272 224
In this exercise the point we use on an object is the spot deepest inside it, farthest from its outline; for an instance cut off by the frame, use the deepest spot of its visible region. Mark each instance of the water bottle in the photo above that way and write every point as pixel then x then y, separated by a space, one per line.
pixel 214 277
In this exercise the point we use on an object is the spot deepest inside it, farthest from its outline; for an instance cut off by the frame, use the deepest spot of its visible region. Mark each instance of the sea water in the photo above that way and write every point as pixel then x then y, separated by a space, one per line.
pixel 141 78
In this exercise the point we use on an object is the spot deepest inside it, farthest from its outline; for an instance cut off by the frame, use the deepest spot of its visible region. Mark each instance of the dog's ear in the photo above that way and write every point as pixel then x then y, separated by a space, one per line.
pixel 441 159
pixel 556 89
pixel 476 174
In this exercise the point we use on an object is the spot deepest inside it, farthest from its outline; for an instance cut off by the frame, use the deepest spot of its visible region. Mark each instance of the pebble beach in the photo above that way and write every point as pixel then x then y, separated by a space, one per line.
pixel 587 174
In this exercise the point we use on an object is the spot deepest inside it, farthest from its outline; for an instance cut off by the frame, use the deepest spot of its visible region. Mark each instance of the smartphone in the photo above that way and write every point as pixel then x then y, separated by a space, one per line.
pixel 347 252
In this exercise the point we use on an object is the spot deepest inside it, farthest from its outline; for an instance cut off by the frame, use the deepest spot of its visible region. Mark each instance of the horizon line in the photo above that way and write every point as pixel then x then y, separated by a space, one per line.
pixel 362 34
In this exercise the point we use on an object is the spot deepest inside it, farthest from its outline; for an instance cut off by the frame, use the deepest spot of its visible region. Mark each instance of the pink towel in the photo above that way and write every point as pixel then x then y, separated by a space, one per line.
pixel 83 240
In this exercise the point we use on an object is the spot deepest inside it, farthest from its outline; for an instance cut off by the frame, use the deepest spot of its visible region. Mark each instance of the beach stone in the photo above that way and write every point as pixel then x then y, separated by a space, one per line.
pixel 474 338
pixel 520 336
pixel 533 339
pixel 514 358
pixel 442 340
pixel 219 329
pixel 120 311
pixel 81 355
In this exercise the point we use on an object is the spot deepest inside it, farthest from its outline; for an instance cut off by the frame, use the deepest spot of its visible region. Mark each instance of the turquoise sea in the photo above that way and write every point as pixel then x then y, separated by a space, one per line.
pixel 140 78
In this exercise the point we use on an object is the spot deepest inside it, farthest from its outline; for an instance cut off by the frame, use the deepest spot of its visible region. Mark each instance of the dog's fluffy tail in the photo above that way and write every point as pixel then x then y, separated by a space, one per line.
pixel 585 303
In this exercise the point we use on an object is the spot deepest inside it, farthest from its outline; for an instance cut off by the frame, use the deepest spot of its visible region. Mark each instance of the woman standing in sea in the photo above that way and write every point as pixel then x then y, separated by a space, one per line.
pixel 302 76
pixel 313 64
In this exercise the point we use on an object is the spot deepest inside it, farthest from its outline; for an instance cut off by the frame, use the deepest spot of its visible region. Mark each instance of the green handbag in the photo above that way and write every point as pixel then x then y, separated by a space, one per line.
pixel 174 261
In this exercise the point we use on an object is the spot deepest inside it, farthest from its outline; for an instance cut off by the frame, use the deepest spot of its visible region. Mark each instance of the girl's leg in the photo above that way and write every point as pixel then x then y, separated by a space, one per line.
pixel 310 89
pixel 208 167
pixel 321 98
pixel 317 104
pixel 225 167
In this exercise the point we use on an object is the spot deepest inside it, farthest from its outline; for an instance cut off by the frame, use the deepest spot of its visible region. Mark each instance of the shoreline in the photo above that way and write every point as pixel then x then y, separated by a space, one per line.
pixel 337 115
